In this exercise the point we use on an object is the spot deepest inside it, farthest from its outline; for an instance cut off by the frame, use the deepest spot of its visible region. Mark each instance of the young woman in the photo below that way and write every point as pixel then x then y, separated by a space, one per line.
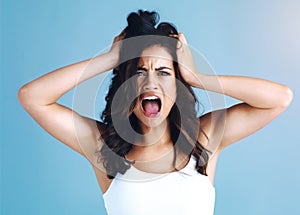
pixel 150 152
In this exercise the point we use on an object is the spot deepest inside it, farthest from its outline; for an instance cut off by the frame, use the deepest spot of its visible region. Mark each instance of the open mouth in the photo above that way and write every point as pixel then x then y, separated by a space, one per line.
pixel 151 105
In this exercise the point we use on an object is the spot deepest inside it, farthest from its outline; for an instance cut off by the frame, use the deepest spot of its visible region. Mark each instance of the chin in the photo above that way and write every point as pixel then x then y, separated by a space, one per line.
pixel 153 121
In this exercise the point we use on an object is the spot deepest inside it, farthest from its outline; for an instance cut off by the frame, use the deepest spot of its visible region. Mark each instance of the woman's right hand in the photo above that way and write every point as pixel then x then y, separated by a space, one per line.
pixel 116 46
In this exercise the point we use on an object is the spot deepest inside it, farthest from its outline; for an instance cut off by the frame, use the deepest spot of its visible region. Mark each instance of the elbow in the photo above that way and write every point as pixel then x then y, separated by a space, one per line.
pixel 24 96
pixel 21 94
pixel 287 97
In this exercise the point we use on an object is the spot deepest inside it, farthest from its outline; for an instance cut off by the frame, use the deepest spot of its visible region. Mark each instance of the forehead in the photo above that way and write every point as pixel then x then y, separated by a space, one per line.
pixel 156 54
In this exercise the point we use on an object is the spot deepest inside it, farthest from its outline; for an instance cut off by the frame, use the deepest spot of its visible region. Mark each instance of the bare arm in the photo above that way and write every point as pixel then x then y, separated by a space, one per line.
pixel 39 99
pixel 262 101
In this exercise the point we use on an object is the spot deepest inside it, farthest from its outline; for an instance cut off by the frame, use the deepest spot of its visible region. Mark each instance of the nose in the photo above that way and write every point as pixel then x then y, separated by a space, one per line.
pixel 150 82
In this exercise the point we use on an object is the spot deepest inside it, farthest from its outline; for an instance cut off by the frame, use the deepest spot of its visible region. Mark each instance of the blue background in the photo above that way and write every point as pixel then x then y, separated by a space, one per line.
pixel 39 175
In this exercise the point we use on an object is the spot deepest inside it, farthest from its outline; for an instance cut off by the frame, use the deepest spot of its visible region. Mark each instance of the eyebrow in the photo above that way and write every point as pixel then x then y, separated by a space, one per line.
pixel 156 69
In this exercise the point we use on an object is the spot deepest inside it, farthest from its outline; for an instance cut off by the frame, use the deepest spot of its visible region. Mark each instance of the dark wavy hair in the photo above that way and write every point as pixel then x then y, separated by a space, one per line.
pixel 115 147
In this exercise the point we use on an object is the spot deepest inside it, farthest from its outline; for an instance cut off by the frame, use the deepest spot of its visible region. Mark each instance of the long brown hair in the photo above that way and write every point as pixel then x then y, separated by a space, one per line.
pixel 115 147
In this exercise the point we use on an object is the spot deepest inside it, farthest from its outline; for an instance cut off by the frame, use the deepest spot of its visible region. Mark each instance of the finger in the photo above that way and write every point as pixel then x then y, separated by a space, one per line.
pixel 179 44
pixel 116 39
pixel 174 35
pixel 123 33
pixel 181 37
pixel 121 36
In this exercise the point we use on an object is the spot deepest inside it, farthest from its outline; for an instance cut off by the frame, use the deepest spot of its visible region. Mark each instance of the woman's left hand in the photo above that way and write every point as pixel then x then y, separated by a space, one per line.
pixel 185 61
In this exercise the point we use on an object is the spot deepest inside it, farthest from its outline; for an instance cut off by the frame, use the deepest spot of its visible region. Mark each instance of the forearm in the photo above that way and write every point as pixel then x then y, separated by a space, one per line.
pixel 49 88
pixel 253 91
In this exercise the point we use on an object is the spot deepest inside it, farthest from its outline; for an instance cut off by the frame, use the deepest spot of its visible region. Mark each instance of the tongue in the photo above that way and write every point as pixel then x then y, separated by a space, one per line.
pixel 151 107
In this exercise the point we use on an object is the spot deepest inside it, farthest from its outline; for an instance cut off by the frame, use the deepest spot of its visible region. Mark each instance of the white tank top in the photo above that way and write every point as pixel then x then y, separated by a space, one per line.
pixel 185 192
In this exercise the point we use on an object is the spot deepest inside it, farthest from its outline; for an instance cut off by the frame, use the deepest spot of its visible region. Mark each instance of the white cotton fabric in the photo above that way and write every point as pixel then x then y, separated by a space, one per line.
pixel 185 192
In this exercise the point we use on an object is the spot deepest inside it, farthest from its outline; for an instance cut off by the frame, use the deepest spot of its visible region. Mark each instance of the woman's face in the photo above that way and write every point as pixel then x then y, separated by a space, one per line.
pixel 156 84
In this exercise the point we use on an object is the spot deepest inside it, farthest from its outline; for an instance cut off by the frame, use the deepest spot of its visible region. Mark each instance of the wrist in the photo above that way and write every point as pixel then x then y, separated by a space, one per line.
pixel 110 61
pixel 195 79
pixel 113 58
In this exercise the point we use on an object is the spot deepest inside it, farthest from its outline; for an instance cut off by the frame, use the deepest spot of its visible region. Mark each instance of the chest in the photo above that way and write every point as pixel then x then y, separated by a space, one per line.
pixel 174 193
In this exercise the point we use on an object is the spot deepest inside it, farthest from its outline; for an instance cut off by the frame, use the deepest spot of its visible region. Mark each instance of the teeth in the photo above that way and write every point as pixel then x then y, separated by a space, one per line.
pixel 151 97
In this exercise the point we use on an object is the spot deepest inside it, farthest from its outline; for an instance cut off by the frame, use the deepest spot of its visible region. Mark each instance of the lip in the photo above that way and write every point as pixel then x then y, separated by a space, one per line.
pixel 144 95
pixel 153 115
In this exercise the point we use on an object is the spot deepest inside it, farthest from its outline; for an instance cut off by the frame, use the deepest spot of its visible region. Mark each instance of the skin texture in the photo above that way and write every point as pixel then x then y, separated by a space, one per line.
pixel 262 101
pixel 156 76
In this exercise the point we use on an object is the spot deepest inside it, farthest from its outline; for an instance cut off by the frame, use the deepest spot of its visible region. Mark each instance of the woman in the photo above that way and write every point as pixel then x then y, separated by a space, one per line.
pixel 151 153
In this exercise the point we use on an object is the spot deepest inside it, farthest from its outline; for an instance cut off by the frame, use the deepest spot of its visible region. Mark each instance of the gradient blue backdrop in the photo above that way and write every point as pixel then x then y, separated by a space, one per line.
pixel 39 175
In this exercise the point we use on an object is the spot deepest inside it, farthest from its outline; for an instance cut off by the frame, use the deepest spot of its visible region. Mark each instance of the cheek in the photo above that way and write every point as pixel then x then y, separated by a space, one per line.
pixel 138 87
pixel 170 92
pixel 170 86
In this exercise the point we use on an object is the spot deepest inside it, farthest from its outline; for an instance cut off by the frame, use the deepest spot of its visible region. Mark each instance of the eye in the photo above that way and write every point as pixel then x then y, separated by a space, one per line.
pixel 163 73
pixel 141 73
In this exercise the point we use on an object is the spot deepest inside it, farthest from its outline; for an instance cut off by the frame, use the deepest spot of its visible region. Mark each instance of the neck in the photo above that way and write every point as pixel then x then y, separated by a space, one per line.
pixel 155 142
